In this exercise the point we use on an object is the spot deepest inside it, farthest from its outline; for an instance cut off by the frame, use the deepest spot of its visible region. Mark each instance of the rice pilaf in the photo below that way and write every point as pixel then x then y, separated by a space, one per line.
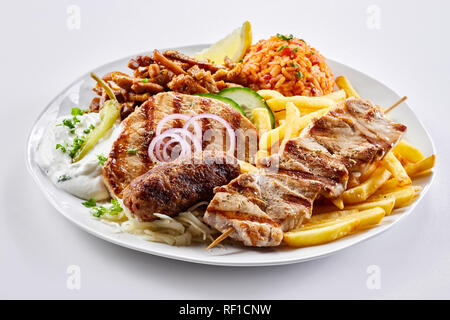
pixel 288 65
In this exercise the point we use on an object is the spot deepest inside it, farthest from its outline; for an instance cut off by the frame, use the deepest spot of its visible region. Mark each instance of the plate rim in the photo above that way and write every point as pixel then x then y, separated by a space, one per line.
pixel 109 238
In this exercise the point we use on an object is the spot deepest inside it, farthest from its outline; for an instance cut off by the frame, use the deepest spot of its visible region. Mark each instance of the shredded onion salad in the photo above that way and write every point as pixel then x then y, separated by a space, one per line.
pixel 181 141
pixel 182 230
pixel 166 146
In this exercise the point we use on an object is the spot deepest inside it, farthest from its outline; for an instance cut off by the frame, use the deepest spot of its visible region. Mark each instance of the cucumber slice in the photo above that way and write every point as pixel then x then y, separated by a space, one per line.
pixel 248 100
pixel 223 99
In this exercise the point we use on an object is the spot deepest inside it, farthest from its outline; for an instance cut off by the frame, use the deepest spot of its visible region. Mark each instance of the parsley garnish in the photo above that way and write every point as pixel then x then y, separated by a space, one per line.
pixel 91 127
pixel 59 146
pixel 90 203
pixel 63 178
pixel 294 64
pixel 101 210
pixel 76 146
pixel 299 74
pixel 132 151
pixel 98 211
pixel 77 112
pixel 283 37
pixel 145 80
pixel 68 123
pixel 101 159
pixel 281 48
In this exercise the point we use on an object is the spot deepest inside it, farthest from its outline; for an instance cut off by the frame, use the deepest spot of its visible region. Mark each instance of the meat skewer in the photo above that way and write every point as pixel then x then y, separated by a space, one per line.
pixel 380 135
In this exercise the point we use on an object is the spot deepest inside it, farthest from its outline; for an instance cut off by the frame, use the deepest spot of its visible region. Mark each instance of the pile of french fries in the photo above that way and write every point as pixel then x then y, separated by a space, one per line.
pixel 387 185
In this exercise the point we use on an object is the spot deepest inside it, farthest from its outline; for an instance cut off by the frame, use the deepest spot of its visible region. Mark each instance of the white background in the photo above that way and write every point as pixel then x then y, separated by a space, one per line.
pixel 40 56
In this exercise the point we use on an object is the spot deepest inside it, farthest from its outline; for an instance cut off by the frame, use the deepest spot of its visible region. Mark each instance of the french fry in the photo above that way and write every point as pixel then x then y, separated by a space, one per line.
pixel 321 218
pixel 421 166
pixel 331 226
pixel 322 234
pixel 247 167
pixel 403 196
pixel 387 204
pixel 366 189
pixel 368 173
pixel 271 137
pixel 280 115
pixel 278 104
pixel 389 185
pixel 336 96
pixel 338 202
pixel 407 151
pixel 343 83
pixel 292 123
pixel 261 119
pixel 395 167
pixel 270 94
pixel 370 215
pixel 306 119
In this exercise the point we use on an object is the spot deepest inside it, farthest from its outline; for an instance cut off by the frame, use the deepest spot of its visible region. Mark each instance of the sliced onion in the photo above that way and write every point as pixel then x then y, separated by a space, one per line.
pixel 227 126
pixel 159 147
pixel 154 149
pixel 170 117
pixel 187 134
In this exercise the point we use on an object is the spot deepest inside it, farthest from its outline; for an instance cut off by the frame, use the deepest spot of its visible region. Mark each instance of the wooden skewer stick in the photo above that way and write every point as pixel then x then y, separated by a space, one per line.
pixel 220 238
pixel 395 104
pixel 225 235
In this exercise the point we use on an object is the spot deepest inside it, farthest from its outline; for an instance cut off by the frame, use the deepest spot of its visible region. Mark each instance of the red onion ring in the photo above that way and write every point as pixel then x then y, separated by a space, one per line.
pixel 174 116
pixel 180 136
pixel 227 126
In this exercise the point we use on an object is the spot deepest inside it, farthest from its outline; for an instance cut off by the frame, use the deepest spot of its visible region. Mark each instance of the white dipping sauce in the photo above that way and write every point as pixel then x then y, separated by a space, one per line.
pixel 83 179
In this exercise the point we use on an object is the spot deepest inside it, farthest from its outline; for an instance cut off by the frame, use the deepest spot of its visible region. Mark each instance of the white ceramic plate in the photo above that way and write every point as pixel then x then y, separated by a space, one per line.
pixel 80 94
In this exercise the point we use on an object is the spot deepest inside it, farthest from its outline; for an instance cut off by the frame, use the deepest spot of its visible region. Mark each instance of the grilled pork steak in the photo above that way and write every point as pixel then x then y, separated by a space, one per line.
pixel 334 148
pixel 171 188
pixel 139 129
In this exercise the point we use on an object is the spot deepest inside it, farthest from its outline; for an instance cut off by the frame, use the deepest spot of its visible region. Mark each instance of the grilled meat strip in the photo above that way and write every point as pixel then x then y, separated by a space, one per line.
pixel 139 129
pixel 171 188
pixel 334 148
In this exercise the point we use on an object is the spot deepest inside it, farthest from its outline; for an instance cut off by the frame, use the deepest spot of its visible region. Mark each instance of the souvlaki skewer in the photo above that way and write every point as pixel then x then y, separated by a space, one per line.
pixel 333 150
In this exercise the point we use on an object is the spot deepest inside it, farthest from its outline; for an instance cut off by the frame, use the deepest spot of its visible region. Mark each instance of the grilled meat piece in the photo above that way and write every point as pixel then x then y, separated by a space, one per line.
pixel 261 206
pixel 171 188
pixel 340 145
pixel 139 129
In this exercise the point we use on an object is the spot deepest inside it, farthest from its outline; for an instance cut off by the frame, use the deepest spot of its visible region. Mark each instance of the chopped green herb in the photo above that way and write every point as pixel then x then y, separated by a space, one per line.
pixel 283 37
pixel 313 53
pixel 90 203
pixel 145 80
pixel 59 146
pixel 113 210
pixel 63 178
pixel 299 74
pixel 295 49
pixel 98 211
pixel 240 61
pixel 77 112
pixel 132 151
pixel 281 48
pixel 68 123
pixel 101 159
pixel 76 146
pixel 116 208
pixel 91 127
pixel 294 64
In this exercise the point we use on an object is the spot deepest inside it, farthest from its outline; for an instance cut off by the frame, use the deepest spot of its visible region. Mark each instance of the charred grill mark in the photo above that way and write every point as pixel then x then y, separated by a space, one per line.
pixel 244 217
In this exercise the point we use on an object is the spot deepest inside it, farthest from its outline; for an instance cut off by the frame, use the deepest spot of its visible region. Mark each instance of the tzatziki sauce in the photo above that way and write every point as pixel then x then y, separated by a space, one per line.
pixel 84 178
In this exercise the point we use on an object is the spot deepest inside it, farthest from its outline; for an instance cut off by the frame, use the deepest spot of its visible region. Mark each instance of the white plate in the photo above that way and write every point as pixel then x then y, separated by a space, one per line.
pixel 79 94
